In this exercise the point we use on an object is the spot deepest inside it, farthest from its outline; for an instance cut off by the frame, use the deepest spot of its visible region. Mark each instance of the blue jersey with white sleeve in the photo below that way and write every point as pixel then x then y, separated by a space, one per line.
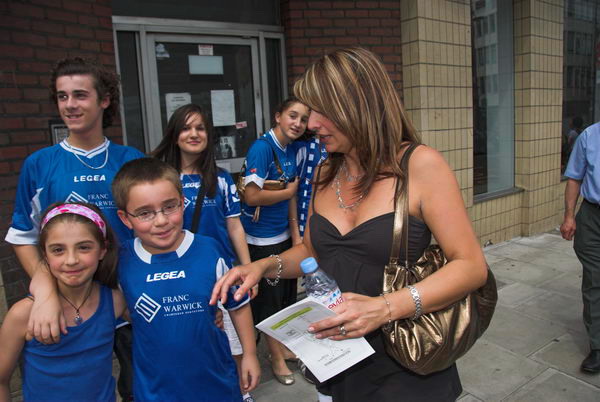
pixel 309 155
pixel 62 173
pixel 273 226
pixel 215 210
pixel 178 352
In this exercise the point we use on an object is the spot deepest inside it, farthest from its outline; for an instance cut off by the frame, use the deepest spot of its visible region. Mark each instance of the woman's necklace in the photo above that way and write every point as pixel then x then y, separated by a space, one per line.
pixel 350 177
pixel 78 320
pixel 338 192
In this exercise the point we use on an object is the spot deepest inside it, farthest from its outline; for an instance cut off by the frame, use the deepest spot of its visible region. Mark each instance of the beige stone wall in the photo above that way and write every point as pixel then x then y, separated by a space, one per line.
pixel 538 28
pixel 436 57
pixel 437 79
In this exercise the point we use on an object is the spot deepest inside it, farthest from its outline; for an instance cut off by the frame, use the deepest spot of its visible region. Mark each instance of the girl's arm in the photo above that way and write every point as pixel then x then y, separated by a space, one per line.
pixel 120 305
pixel 12 339
pixel 293 220
pixel 256 196
pixel 237 235
pixel 244 326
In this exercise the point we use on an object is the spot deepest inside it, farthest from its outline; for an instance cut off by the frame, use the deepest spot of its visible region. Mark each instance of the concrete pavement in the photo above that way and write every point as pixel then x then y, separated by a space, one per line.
pixel 535 343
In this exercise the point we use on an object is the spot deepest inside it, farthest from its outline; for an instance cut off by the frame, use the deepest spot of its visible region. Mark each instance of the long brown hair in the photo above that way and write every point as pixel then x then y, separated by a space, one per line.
pixel 168 150
pixel 352 89
pixel 106 273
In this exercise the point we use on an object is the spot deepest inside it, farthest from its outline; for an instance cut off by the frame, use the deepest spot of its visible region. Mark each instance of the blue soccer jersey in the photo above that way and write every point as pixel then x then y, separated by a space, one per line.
pixel 178 352
pixel 309 154
pixel 62 173
pixel 272 226
pixel 215 210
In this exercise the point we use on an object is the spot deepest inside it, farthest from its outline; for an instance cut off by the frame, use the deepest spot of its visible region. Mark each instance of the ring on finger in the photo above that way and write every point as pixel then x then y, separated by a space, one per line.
pixel 343 331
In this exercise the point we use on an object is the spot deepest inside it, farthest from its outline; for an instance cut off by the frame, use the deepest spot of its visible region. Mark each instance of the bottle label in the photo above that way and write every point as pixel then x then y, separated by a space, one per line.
pixel 332 299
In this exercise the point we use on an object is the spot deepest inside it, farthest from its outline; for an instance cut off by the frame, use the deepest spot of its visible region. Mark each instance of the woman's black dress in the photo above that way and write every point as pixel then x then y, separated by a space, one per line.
pixel 356 261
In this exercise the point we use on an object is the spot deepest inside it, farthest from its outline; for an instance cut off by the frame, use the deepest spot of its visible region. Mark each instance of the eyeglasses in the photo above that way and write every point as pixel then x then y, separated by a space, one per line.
pixel 149 215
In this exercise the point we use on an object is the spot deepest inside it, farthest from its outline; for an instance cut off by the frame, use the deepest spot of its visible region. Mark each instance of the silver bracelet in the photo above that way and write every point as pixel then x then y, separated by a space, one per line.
pixel 279 269
pixel 387 303
pixel 414 293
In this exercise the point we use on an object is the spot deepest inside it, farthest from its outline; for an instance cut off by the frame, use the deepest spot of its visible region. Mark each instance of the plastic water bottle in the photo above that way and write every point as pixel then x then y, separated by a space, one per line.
pixel 319 285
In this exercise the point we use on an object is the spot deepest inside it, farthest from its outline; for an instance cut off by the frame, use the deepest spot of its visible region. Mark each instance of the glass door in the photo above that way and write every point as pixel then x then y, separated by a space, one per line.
pixel 219 74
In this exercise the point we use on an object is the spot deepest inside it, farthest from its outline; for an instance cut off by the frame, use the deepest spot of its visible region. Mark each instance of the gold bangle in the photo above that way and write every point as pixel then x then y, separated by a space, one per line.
pixel 292 219
pixel 387 303
pixel 279 270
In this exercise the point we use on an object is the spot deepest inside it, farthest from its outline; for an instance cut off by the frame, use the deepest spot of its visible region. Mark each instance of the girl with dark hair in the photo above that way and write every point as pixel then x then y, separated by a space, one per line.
pixel 80 252
pixel 269 215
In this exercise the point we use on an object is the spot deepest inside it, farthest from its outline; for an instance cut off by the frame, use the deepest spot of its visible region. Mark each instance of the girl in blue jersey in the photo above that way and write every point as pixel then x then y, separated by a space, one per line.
pixel 185 146
pixel 269 216
pixel 80 251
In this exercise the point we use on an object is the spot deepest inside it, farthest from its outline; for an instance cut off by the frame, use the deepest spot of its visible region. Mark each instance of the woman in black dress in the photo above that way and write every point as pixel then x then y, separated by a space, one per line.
pixel 358 116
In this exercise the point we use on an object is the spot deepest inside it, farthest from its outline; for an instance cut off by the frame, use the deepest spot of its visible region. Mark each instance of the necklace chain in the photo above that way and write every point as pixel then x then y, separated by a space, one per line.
pixel 338 192
pixel 350 177
pixel 84 163
pixel 78 320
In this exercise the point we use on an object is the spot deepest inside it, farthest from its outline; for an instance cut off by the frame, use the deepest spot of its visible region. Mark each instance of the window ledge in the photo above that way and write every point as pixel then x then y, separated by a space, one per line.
pixel 496 194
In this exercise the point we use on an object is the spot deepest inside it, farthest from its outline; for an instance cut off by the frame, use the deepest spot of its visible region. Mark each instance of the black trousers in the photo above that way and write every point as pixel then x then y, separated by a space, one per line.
pixel 587 247
pixel 122 349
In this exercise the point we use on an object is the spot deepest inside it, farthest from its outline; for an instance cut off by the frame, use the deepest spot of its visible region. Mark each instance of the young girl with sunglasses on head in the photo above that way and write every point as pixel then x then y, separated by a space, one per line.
pixel 189 146
pixel 80 252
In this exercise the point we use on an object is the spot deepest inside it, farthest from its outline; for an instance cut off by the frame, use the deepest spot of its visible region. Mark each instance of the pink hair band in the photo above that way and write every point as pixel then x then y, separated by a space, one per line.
pixel 76 209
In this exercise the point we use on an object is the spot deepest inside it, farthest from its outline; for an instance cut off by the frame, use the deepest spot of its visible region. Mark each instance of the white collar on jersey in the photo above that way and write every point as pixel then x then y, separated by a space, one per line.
pixel 88 154
pixel 146 256
pixel 276 141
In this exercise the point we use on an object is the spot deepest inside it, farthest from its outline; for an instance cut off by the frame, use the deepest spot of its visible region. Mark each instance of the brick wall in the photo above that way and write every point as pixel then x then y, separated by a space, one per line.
pixel 315 27
pixel 33 35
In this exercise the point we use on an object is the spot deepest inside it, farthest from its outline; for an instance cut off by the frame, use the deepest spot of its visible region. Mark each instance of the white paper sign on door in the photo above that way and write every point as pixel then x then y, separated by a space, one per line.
pixel 175 100
pixel 223 107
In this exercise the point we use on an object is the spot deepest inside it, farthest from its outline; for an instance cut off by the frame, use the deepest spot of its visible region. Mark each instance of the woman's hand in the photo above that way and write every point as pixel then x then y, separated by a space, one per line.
pixel 358 315
pixel 244 275
pixel 253 292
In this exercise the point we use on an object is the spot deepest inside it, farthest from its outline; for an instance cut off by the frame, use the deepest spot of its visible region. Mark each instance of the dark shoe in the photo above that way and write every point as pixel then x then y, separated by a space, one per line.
pixel 303 369
pixel 591 363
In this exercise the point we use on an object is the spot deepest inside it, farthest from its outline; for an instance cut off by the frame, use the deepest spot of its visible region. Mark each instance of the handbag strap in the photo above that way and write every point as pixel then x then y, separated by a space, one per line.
pixel 198 208
pixel 275 158
pixel 400 234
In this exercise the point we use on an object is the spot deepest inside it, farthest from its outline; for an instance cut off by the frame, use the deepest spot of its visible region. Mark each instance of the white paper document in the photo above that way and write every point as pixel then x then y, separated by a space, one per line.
pixel 223 107
pixel 324 357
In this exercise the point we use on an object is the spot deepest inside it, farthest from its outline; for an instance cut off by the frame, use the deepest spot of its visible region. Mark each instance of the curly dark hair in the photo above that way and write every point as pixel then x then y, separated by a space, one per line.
pixel 106 82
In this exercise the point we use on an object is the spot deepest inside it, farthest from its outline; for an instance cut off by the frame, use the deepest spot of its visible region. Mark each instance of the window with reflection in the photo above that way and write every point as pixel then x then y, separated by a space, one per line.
pixel 493 96
pixel 581 61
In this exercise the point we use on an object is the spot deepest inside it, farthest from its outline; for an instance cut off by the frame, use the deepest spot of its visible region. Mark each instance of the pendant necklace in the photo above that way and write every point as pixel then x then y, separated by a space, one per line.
pixel 338 192
pixel 78 320
pixel 74 152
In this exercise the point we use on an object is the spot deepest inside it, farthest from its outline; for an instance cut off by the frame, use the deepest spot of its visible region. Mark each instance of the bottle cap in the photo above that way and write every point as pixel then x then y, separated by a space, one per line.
pixel 309 265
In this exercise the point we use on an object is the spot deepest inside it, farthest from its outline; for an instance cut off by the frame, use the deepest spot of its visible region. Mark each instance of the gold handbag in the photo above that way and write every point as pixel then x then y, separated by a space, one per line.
pixel 279 184
pixel 435 340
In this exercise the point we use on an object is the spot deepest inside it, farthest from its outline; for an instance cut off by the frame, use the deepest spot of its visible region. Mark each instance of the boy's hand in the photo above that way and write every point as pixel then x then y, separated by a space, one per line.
pixel 46 321
pixel 250 372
